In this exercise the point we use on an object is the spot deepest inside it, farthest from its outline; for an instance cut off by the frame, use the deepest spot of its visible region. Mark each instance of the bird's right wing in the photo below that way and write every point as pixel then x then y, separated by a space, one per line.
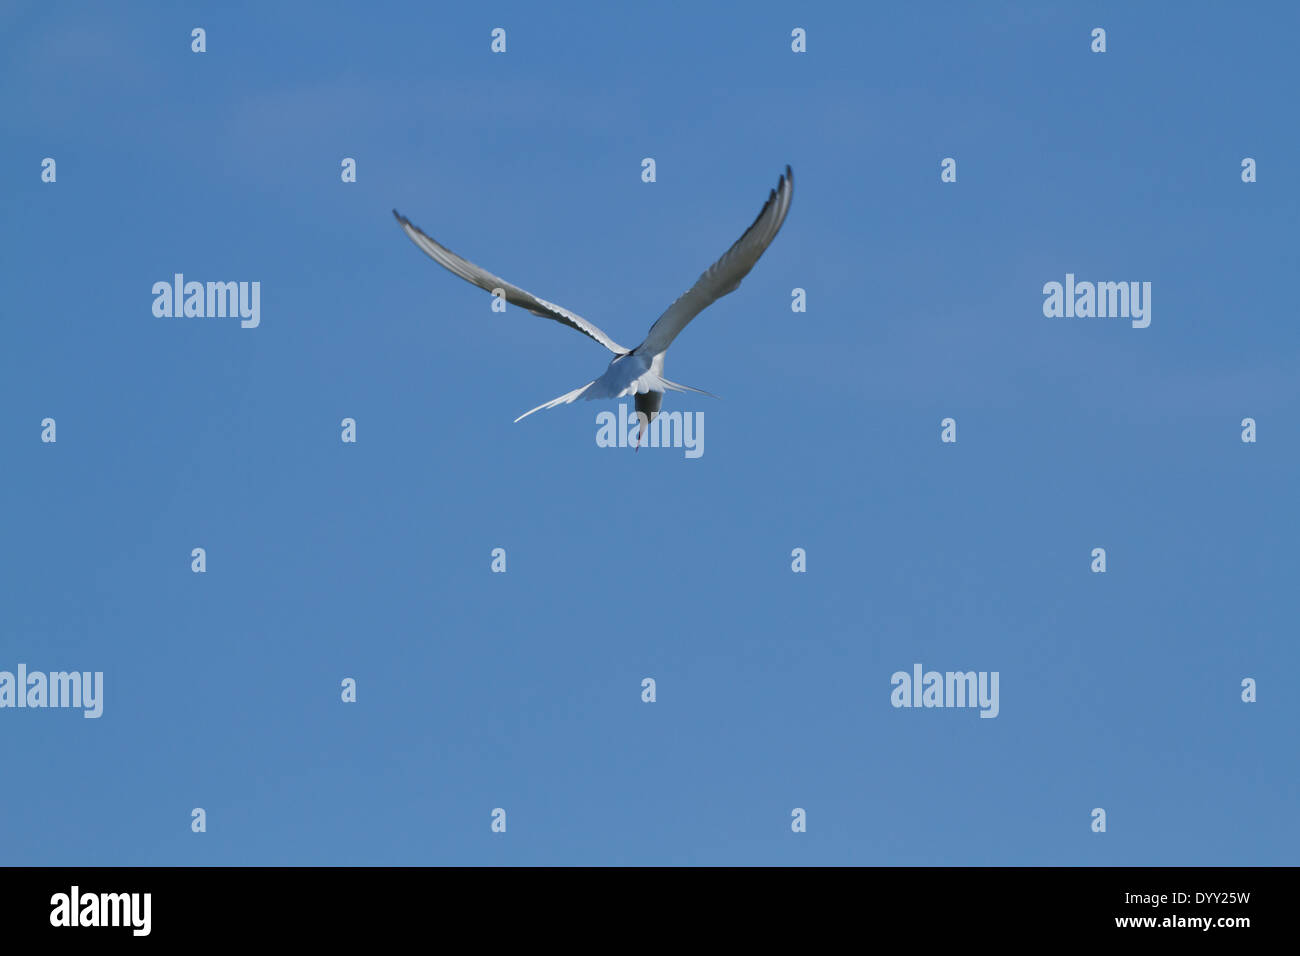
pixel 513 294
pixel 725 274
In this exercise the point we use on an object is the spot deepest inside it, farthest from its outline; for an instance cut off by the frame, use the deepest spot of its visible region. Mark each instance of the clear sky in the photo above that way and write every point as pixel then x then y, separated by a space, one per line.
pixel 371 560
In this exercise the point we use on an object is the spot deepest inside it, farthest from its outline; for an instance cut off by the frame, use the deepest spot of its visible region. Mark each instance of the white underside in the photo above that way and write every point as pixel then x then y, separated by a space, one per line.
pixel 631 374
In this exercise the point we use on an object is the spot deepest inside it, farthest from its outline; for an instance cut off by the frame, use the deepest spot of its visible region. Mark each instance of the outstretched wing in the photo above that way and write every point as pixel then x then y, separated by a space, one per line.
pixel 513 294
pixel 725 274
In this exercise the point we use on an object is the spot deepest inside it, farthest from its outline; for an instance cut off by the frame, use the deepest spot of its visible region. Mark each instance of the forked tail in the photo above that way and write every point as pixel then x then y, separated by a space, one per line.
pixel 679 387
pixel 564 399
pixel 586 391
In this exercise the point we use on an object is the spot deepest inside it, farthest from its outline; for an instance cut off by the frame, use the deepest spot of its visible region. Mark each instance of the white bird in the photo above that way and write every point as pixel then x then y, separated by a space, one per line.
pixel 638 371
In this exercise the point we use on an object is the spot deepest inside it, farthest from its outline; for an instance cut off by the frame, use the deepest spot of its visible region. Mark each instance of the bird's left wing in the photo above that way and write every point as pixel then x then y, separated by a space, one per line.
pixel 725 274
pixel 513 294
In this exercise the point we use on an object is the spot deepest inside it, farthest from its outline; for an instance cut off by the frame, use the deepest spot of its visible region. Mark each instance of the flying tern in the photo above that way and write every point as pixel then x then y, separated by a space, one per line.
pixel 637 371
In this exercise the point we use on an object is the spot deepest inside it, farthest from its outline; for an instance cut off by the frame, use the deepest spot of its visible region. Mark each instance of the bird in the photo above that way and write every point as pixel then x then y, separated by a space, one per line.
pixel 636 371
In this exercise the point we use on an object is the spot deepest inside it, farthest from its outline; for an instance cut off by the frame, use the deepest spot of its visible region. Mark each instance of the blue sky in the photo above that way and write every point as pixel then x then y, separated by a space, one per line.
pixel 522 690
